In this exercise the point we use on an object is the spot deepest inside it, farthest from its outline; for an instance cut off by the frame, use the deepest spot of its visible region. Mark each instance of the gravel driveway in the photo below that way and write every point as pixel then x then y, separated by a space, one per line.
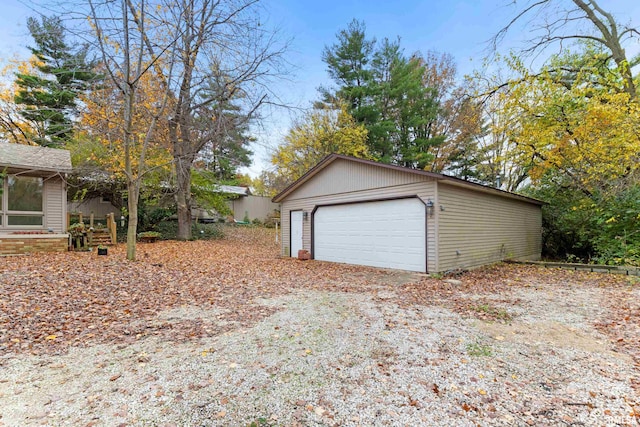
pixel 283 342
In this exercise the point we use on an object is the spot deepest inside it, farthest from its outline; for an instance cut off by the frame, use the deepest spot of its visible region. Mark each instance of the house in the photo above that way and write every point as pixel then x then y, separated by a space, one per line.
pixel 362 212
pixel 33 202
pixel 241 202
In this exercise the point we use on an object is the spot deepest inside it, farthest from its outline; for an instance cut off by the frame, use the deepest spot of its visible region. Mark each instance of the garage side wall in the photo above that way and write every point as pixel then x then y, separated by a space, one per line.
pixel 477 228
pixel 348 182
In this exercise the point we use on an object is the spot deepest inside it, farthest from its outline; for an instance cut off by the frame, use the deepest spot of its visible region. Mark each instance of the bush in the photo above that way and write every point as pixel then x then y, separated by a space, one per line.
pixel 207 231
pixel 600 227
pixel 169 231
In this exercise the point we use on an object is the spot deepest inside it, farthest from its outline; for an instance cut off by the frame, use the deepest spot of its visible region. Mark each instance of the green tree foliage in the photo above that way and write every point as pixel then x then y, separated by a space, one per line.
pixel 223 123
pixel 49 95
pixel 406 103
pixel 580 128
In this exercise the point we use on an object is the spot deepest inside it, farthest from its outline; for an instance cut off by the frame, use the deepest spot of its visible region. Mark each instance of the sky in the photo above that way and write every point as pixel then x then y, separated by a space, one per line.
pixel 461 28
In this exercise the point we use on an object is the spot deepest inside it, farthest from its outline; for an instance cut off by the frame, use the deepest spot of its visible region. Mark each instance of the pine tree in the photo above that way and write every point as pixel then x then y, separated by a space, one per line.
pixel 49 96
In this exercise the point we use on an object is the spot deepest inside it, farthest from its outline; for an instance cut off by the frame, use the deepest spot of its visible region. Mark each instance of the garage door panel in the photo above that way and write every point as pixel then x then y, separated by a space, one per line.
pixel 388 234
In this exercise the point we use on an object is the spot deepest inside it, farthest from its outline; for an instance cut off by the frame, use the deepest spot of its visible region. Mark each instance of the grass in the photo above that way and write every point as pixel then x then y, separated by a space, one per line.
pixel 478 350
pixel 497 313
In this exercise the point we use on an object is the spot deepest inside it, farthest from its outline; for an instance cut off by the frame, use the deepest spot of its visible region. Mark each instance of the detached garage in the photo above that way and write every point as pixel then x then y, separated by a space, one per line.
pixel 361 212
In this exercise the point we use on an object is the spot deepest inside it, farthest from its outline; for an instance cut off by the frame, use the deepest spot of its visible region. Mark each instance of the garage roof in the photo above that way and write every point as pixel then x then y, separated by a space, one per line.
pixel 436 176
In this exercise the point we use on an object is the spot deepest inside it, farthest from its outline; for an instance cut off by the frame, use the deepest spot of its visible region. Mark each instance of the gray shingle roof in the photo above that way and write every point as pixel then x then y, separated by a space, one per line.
pixel 34 157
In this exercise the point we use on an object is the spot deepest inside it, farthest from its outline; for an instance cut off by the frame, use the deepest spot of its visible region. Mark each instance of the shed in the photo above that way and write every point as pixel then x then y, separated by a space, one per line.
pixel 357 211
pixel 33 203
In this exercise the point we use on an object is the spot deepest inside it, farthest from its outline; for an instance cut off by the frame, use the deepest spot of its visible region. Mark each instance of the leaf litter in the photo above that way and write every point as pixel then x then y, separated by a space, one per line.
pixel 228 333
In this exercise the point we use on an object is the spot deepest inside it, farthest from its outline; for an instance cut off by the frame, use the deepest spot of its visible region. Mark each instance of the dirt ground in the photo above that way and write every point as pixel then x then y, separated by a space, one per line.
pixel 228 333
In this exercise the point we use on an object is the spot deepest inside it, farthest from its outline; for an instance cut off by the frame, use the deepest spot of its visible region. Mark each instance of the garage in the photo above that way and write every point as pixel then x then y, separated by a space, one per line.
pixel 389 234
pixel 362 212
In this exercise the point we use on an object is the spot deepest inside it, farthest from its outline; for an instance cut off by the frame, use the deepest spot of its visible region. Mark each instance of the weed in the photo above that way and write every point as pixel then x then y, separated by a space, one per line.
pixel 260 422
pixel 477 349
pixel 496 313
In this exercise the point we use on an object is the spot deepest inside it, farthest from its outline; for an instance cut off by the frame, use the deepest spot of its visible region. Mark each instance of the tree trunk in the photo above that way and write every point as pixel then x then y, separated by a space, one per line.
pixel 183 197
pixel 132 227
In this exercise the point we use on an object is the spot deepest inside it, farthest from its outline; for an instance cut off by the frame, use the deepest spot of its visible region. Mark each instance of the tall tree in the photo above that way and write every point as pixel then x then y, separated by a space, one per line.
pixel 348 64
pixel 121 29
pixel 227 149
pixel 409 105
pixel 13 126
pixel 49 94
pixel 226 41
pixel 579 133
pixel 561 23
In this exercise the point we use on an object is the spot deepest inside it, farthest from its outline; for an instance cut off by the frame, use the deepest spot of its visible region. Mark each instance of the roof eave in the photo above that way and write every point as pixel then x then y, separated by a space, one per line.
pixel 311 172
pixel 31 168
pixel 327 160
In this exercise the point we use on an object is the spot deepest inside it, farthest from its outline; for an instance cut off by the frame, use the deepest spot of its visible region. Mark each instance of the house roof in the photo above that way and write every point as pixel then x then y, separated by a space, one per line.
pixel 30 157
pixel 233 189
pixel 436 176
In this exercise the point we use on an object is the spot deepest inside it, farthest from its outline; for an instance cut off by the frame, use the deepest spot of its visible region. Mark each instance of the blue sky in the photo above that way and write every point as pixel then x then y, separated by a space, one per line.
pixel 458 27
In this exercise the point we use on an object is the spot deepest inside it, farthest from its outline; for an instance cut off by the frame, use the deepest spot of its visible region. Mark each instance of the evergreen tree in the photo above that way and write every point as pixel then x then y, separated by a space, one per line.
pixel 49 96
pixel 386 92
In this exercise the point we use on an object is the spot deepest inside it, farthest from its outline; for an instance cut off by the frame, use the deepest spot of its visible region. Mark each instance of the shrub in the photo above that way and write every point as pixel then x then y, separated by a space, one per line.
pixel 207 231
pixel 169 231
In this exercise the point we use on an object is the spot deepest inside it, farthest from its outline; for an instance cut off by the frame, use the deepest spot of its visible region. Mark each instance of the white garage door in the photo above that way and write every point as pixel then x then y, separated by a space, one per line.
pixel 389 234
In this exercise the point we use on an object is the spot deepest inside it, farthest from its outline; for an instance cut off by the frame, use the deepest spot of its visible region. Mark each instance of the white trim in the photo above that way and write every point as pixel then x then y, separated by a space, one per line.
pixel 4 236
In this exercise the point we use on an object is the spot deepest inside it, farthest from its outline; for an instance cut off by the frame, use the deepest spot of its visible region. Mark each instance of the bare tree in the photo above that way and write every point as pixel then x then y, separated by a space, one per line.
pixel 120 29
pixel 220 45
pixel 561 22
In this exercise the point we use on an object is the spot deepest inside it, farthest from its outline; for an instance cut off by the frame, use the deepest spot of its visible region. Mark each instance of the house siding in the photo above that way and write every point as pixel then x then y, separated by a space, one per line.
pixel 348 182
pixel 484 228
pixel 55 204
pixel 93 205
pixel 253 207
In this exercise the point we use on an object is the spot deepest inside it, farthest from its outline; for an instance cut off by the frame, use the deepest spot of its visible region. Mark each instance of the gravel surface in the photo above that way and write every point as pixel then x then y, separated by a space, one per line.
pixel 325 357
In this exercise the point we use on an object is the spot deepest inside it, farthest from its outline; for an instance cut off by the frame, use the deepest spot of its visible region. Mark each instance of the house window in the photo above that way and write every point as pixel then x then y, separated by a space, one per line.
pixel 22 202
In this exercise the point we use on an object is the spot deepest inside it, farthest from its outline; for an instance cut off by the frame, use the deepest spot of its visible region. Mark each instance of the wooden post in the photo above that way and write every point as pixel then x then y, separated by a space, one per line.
pixel 91 219
pixel 111 226
pixel 80 217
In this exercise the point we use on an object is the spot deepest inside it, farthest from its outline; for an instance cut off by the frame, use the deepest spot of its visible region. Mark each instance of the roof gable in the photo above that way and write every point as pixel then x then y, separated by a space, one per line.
pixel 330 159
pixel 344 176
pixel 34 157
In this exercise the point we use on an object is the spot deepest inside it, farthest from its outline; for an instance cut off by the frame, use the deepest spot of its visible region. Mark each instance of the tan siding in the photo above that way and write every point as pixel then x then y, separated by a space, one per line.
pixel 424 190
pixel 344 176
pixel 484 228
pixel 254 207
pixel 96 205
pixel 55 200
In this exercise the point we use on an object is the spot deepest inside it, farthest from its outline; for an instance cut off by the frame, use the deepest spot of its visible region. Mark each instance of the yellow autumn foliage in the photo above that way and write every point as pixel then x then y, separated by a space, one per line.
pixel 13 127
pixel 589 133
pixel 103 130
pixel 320 133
